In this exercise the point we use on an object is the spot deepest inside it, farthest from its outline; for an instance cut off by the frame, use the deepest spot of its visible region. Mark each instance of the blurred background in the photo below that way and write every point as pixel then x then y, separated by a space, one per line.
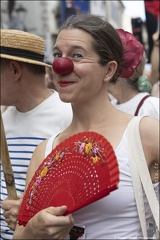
pixel 44 17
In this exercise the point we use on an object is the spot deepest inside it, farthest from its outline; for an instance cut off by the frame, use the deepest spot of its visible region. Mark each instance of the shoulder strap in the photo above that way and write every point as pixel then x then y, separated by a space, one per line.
pixel 137 185
pixel 49 144
pixel 140 104
pixel 140 174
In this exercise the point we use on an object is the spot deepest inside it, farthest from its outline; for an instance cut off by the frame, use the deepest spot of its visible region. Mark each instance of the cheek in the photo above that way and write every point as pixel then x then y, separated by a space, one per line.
pixel 2 77
pixel 82 70
pixel 55 77
pixel 5 75
pixel 91 74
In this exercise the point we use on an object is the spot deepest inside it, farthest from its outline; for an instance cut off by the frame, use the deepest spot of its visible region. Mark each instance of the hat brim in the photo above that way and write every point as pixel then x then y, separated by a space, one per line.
pixel 20 59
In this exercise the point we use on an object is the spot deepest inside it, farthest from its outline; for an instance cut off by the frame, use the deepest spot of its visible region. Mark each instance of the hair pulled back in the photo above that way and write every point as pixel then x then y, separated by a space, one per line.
pixel 106 41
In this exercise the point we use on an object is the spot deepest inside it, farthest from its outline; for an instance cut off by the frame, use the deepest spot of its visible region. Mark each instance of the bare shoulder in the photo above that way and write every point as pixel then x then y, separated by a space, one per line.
pixel 148 126
pixel 37 158
pixel 149 131
pixel 40 151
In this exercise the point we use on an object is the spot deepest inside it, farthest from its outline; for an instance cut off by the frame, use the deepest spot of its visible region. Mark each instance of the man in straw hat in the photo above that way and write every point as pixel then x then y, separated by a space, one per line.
pixel 35 112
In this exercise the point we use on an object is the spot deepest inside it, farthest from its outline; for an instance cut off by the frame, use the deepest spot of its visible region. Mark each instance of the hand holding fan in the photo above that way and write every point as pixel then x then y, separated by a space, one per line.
pixel 79 171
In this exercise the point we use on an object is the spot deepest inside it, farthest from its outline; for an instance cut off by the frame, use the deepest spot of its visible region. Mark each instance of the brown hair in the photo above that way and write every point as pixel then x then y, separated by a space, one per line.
pixel 106 41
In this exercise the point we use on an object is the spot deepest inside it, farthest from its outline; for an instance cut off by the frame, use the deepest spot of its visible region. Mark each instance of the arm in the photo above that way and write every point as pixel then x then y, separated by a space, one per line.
pixel 48 223
pixel 155 89
pixel 149 131
pixel 154 76
pixel 11 207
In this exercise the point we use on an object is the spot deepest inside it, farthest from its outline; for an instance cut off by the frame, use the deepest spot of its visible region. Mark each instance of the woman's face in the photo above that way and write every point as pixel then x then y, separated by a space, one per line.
pixel 86 80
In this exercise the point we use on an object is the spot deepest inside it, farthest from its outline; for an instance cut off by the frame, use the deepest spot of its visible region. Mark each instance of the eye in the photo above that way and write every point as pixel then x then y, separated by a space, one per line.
pixel 77 56
pixel 57 55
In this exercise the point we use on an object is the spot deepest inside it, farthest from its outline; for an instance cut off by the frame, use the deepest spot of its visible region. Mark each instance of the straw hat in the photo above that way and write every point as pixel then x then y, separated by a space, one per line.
pixel 22 46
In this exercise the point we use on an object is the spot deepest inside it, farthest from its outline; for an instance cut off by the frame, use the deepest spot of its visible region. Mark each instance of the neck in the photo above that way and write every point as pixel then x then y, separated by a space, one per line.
pixel 31 100
pixel 87 118
pixel 123 97
pixel 122 91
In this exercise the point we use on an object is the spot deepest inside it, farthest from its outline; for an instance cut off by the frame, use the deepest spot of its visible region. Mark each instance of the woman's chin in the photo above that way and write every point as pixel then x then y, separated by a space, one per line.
pixel 65 99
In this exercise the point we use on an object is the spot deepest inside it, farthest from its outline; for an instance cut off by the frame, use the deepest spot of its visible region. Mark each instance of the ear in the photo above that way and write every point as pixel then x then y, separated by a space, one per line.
pixel 16 69
pixel 111 68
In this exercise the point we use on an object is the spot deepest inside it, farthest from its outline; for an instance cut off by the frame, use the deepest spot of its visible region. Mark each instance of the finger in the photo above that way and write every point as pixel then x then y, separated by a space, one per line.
pixel 12 212
pixel 5 214
pixel 20 196
pixel 11 223
pixel 12 226
pixel 10 217
pixel 8 204
pixel 57 211
pixel 60 221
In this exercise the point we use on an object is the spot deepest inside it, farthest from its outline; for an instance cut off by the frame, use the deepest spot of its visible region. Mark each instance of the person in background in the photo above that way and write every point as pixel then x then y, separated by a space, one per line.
pixel 152 22
pixel 49 78
pixel 34 112
pixel 155 67
pixel 155 89
pixel 133 94
pixel 95 54
pixel 3 108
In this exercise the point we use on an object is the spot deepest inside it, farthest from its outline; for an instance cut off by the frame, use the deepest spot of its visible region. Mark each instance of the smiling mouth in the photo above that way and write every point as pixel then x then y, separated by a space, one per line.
pixel 65 84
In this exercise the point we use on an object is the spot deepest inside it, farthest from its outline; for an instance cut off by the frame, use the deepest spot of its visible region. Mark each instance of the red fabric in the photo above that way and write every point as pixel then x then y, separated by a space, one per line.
pixel 153 7
pixel 132 54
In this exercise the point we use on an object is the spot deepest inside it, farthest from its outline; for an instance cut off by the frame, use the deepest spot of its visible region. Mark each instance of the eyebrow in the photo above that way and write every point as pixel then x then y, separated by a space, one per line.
pixel 72 48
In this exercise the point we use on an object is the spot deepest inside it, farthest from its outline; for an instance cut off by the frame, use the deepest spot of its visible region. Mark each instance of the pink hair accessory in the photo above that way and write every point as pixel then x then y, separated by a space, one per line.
pixel 133 53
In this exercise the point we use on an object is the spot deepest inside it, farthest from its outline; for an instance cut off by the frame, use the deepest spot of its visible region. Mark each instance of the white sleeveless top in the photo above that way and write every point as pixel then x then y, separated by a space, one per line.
pixel 114 216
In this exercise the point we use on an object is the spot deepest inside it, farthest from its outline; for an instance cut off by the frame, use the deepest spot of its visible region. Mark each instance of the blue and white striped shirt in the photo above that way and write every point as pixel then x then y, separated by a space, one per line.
pixel 24 131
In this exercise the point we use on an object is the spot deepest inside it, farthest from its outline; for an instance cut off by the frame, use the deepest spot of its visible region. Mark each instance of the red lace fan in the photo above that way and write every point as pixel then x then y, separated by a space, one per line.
pixel 79 171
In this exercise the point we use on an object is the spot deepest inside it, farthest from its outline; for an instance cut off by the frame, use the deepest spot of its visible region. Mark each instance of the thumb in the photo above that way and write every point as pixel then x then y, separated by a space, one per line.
pixel 57 211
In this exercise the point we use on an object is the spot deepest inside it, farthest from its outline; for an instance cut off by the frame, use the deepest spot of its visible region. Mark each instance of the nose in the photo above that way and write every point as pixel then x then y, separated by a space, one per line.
pixel 63 66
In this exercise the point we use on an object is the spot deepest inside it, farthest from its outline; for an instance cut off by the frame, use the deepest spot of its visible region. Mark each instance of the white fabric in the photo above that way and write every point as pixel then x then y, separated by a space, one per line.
pixel 24 131
pixel 140 175
pixel 150 106
pixel 115 216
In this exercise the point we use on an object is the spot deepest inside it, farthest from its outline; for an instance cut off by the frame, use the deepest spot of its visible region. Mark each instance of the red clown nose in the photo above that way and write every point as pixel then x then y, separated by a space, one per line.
pixel 62 66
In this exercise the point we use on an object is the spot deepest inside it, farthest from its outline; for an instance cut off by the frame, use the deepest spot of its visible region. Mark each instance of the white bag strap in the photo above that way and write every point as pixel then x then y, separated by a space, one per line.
pixel 137 185
pixel 140 175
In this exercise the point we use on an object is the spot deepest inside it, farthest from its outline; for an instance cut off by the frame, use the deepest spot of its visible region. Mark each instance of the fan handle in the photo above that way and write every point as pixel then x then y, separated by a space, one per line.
pixel 6 165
